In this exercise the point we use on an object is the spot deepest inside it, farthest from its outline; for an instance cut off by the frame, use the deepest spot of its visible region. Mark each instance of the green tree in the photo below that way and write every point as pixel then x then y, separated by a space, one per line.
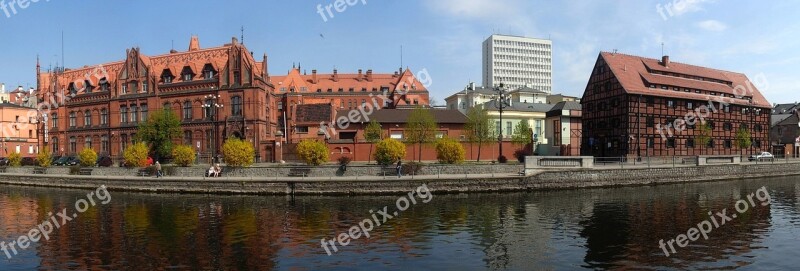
pixel 238 153
pixel 703 135
pixel 522 133
pixel 183 155
pixel 479 127
pixel 372 134
pixel 313 152
pixel 421 128
pixel 449 151
pixel 159 132
pixel 135 155
pixel 389 151
pixel 43 159
pixel 743 139
pixel 87 157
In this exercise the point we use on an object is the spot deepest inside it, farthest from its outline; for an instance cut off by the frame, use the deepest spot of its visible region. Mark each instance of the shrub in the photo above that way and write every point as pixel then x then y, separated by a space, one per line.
pixel 183 155
pixel 502 159
pixel 411 168
pixel 389 151
pixel 88 157
pixel 135 155
pixel 344 160
pixel 522 153
pixel 14 159
pixel 44 159
pixel 449 151
pixel 238 153
pixel 313 152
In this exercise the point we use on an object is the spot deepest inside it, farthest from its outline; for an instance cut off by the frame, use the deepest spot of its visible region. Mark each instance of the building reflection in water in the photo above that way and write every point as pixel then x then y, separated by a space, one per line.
pixel 597 229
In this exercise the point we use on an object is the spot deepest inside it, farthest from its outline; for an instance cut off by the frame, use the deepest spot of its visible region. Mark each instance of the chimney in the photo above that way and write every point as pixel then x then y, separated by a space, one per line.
pixel 360 75
pixel 369 75
pixel 665 61
pixel 194 44
pixel 335 75
pixel 472 86
pixel 314 76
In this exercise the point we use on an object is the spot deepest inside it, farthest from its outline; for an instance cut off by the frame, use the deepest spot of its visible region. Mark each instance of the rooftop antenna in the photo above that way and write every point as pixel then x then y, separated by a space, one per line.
pixel 173 45
pixel 401 57
pixel 242 34
pixel 662 48
pixel 63 63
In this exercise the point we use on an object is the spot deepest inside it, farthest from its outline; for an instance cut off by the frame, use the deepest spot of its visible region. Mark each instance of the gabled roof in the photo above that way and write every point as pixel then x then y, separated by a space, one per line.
pixel 357 81
pixel 635 74
pixel 785 108
pixel 516 106
pixel 401 115
pixel 570 105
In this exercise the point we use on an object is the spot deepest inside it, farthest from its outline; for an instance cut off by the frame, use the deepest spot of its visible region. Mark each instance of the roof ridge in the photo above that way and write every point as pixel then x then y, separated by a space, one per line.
pixel 671 62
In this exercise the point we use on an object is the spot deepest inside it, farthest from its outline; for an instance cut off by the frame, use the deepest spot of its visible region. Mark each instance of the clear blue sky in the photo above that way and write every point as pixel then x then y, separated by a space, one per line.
pixel 441 36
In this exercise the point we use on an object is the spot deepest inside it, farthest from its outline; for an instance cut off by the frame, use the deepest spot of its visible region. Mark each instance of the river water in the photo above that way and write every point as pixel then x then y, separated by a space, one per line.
pixel 612 228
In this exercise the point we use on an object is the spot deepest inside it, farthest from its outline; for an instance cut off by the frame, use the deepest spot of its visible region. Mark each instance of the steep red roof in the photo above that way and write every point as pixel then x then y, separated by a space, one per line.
pixel 336 80
pixel 636 74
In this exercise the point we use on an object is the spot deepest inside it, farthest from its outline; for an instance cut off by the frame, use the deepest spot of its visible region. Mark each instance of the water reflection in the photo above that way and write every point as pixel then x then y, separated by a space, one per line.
pixel 593 229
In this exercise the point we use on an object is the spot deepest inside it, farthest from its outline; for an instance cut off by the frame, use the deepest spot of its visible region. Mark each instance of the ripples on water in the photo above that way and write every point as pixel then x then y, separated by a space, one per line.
pixel 615 228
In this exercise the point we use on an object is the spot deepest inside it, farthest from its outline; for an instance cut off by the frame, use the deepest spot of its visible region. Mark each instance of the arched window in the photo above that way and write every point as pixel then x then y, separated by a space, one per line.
pixel 72 119
pixel 187 110
pixel 103 116
pixel 54 143
pixel 87 118
pixel 87 142
pixel 73 144
pixel 104 144
pixel 236 105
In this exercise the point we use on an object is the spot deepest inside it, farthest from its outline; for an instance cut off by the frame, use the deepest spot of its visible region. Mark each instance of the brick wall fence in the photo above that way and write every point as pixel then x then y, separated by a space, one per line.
pixel 548 179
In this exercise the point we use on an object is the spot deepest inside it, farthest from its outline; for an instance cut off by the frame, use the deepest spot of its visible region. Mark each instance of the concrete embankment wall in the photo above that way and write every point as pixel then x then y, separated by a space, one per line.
pixel 547 179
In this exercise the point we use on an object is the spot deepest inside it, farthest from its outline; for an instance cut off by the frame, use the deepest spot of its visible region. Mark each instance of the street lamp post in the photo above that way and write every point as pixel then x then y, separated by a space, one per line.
pixel 213 103
pixel 501 104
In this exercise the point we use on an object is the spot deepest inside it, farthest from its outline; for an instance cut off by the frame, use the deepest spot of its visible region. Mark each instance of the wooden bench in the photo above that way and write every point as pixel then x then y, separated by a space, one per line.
pixel 143 172
pixel 85 171
pixel 690 160
pixel 39 170
pixel 221 171
pixel 299 172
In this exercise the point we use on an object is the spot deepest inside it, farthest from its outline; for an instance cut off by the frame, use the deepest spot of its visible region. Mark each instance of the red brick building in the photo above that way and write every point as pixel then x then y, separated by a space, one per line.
pixel 218 93
pixel 631 101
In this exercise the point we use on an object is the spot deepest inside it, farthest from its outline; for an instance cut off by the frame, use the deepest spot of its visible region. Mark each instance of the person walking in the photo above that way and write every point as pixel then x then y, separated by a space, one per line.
pixel 399 168
pixel 158 170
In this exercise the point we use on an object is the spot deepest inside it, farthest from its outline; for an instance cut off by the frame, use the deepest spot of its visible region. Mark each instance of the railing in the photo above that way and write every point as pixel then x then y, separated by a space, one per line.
pixel 560 162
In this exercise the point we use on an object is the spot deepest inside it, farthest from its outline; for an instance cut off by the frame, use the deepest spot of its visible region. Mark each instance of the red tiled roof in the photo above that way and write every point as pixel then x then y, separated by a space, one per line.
pixel 634 73
pixel 347 80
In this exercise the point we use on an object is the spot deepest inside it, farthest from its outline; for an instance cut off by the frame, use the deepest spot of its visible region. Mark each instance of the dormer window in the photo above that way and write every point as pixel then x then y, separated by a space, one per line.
pixel 166 76
pixel 187 74
pixel 104 85
pixel 209 72
pixel 87 86
pixel 71 88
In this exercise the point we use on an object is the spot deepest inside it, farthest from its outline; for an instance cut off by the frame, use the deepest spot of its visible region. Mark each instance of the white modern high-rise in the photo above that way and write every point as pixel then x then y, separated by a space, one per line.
pixel 518 62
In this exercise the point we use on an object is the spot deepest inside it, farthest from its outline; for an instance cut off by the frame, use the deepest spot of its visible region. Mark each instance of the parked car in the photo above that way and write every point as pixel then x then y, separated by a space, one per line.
pixel 28 161
pixel 73 160
pixel 104 161
pixel 54 159
pixel 762 156
pixel 3 161
pixel 66 161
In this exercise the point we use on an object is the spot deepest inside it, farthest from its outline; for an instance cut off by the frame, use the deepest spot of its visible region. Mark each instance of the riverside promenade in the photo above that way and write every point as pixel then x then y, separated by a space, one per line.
pixel 249 182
